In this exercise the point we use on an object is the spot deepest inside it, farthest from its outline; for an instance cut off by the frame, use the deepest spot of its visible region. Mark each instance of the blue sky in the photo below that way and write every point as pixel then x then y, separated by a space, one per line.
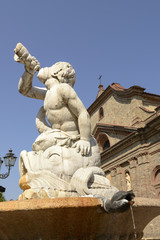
pixel 118 39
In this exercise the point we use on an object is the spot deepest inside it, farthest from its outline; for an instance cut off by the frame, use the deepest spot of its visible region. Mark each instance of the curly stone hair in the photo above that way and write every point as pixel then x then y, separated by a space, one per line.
pixel 62 71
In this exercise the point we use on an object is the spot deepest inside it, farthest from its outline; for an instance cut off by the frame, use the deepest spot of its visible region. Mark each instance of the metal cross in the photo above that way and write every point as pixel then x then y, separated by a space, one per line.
pixel 100 76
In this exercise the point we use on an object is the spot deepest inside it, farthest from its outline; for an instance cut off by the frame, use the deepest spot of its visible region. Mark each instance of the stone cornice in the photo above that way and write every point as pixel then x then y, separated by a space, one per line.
pixel 106 128
pixel 100 100
pixel 119 146
pixel 154 152
pixel 151 129
pixel 117 90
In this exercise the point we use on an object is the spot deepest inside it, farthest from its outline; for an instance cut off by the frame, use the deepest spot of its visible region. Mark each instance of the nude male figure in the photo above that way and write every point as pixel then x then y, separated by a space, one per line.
pixel 54 168
pixel 66 144
pixel 63 109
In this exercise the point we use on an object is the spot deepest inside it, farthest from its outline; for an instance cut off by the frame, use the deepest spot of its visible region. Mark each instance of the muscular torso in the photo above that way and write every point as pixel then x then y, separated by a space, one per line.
pixel 57 112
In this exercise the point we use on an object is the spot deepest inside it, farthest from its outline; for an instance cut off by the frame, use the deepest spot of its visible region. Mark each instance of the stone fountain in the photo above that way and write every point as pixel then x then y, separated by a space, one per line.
pixel 65 193
pixel 73 218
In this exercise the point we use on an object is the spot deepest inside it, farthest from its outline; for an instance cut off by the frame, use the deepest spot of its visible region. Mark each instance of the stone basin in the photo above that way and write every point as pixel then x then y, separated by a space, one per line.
pixel 72 218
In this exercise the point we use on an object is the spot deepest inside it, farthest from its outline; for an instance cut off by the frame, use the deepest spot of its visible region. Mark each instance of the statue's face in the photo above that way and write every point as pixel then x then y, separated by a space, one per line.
pixel 44 74
pixel 61 71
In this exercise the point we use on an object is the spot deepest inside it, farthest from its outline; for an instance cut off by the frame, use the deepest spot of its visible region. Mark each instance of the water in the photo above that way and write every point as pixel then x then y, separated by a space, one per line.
pixel 134 226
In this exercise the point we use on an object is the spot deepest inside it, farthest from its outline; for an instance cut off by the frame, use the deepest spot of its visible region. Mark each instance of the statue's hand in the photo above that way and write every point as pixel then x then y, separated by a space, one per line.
pixel 23 56
pixel 83 146
pixel 32 65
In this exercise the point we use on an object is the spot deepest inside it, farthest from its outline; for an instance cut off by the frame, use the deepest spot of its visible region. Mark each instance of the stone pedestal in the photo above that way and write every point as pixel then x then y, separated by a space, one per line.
pixel 80 218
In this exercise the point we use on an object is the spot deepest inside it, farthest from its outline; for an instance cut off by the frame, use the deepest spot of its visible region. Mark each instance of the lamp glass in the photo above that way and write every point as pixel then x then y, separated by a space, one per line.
pixel 10 159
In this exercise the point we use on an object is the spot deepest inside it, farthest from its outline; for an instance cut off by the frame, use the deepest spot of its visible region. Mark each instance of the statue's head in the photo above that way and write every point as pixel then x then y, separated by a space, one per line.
pixel 62 71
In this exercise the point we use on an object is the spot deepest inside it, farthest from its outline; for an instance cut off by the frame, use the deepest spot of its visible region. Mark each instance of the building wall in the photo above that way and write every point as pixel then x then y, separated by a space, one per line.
pixel 114 137
pixel 142 162
pixel 142 173
pixel 134 164
pixel 123 112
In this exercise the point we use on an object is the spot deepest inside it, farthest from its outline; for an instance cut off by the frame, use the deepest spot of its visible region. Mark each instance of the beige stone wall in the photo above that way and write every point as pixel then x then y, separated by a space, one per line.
pixel 141 161
pixel 152 230
pixel 141 158
pixel 114 138
pixel 121 112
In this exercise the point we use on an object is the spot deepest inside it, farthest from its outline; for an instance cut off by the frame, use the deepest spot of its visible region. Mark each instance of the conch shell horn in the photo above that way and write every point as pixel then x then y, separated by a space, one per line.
pixel 22 55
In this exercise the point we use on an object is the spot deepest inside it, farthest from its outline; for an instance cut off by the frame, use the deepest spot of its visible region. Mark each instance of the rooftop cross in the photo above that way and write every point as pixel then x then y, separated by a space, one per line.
pixel 100 76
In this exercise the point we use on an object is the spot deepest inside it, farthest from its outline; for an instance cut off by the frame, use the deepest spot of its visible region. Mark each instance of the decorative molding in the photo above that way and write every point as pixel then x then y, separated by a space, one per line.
pixel 146 109
pixel 119 169
pixel 113 172
pixel 154 152
pixel 106 128
pixel 139 137
pixel 143 157
pixel 157 186
pixel 120 92
pixel 142 154
pixel 132 162
pixel 154 176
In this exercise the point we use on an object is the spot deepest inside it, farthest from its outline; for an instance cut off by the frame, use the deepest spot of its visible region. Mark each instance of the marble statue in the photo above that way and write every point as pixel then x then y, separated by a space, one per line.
pixel 128 181
pixel 65 158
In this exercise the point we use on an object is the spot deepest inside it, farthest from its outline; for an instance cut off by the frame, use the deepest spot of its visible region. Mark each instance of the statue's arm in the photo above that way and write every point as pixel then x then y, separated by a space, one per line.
pixel 25 87
pixel 31 65
pixel 78 109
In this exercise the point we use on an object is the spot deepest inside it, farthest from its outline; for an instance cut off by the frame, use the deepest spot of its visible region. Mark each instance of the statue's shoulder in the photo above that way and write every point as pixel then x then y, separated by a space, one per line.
pixel 65 90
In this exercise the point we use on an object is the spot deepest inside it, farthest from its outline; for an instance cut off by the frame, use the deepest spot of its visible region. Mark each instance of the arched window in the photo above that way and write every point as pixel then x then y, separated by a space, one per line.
pixel 157 177
pixel 101 113
pixel 103 141
pixel 106 144
pixel 156 180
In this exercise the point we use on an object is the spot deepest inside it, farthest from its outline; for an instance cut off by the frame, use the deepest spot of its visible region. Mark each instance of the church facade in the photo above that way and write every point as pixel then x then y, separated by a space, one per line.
pixel 126 125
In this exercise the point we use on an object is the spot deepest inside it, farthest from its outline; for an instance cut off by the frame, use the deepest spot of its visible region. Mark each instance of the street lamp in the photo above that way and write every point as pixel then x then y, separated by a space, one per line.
pixel 9 159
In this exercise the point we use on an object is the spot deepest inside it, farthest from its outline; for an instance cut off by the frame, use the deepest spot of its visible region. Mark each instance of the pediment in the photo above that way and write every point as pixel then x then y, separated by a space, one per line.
pixel 122 95
pixel 116 129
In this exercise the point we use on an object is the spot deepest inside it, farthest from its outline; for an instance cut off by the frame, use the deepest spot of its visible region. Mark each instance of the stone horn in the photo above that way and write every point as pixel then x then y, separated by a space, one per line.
pixel 22 55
